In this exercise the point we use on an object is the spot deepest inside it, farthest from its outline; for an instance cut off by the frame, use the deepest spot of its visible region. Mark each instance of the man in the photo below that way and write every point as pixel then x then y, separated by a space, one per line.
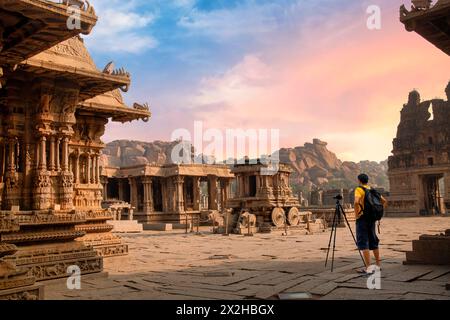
pixel 366 235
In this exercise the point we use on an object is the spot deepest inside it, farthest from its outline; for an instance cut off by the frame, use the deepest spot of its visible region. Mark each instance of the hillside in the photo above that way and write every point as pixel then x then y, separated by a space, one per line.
pixel 313 164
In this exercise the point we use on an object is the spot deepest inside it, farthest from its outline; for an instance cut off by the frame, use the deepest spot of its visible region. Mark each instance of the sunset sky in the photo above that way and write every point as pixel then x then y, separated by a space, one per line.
pixel 310 68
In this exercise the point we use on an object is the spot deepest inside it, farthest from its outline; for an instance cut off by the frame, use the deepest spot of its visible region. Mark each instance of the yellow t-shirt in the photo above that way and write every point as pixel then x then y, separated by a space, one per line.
pixel 359 206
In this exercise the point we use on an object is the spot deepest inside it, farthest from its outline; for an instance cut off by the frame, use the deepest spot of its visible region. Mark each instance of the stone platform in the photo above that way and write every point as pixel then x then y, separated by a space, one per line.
pixel 173 265
pixel 126 226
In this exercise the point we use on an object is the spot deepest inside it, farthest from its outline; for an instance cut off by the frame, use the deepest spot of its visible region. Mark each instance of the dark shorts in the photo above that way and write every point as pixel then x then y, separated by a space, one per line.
pixel 366 235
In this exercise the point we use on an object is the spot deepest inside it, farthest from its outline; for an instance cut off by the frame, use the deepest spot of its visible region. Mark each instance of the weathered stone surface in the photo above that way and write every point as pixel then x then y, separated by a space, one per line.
pixel 172 263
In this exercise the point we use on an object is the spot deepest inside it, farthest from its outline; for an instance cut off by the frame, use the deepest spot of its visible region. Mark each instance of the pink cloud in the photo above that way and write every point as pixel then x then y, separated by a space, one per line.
pixel 347 89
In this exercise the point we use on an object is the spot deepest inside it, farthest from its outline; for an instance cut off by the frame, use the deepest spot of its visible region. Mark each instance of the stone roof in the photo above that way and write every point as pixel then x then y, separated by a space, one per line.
pixel 191 170
pixel 112 105
pixel 71 60
pixel 32 26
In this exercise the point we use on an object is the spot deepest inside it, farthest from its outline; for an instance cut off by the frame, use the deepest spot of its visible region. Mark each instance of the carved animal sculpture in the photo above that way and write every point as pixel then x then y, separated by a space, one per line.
pixel 245 218
pixel 216 218
pixel 109 68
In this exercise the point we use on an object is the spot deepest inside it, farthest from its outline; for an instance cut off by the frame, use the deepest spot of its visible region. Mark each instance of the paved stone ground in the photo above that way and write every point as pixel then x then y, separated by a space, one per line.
pixel 178 266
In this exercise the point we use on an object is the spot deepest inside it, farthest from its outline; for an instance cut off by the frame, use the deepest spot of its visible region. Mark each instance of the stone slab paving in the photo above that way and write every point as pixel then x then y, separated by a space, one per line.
pixel 178 266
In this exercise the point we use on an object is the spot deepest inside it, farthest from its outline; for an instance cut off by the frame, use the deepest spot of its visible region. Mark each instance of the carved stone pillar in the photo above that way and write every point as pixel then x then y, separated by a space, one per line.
pixel 57 155
pixel 97 169
pixel 12 186
pixel 3 162
pixel 41 190
pixel 66 177
pixel 225 189
pixel 164 193
pixel 43 153
pixel 52 165
pixel 77 169
pixel 179 194
pixel 148 194
pixel 104 181
pixel 213 192
pixel 121 186
pixel 133 193
pixel 89 169
pixel 196 200
pixel 65 154
pixel 67 190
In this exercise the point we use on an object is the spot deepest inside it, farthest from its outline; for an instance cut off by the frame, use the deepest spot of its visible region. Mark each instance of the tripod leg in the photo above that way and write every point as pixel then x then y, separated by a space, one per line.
pixel 334 244
pixel 353 235
pixel 331 238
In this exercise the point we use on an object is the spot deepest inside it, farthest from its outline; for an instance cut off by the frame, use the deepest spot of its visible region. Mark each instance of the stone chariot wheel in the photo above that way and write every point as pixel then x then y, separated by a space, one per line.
pixel 294 217
pixel 278 217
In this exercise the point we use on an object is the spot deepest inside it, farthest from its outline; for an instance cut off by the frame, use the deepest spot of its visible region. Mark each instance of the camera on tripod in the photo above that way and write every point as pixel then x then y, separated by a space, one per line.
pixel 338 197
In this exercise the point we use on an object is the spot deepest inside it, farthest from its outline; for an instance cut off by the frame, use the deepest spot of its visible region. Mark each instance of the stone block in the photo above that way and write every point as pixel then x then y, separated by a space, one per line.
pixel 158 227
pixel 126 226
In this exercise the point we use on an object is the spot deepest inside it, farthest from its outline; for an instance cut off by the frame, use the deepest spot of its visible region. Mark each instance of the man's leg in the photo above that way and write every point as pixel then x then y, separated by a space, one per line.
pixel 376 253
pixel 366 255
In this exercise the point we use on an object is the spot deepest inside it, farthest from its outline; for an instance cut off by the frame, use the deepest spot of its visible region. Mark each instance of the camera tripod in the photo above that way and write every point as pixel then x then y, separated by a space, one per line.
pixel 339 213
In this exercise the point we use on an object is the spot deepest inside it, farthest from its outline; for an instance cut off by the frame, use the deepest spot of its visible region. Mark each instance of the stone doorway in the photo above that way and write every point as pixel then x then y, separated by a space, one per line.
pixel 434 195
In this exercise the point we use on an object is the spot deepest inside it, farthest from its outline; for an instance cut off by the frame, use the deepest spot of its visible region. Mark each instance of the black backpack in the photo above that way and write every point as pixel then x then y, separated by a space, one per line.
pixel 373 205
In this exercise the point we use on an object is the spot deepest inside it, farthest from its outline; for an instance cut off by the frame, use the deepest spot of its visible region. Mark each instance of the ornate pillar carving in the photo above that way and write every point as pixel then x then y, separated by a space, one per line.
pixel 57 155
pixel 12 183
pixel 104 181
pixel 3 162
pixel 225 189
pixel 97 169
pixel 77 168
pixel 133 193
pixel 196 200
pixel 52 165
pixel 148 194
pixel 213 192
pixel 66 178
pixel 89 167
pixel 179 192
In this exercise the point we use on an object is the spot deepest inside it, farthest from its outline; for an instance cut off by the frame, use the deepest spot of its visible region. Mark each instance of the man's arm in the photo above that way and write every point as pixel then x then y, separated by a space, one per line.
pixel 384 201
pixel 357 205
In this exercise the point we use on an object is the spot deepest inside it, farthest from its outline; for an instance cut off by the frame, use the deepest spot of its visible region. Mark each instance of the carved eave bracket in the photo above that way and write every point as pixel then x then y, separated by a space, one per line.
pixel 432 22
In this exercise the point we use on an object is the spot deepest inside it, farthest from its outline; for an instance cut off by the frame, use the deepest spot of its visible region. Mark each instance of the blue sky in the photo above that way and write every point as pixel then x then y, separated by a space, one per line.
pixel 220 60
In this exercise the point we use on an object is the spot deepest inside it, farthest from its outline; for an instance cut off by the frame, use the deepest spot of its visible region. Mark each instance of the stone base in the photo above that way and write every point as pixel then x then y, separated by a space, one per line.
pixel 245 230
pixel 115 250
pixel 105 244
pixel 162 217
pixel 158 227
pixel 430 250
pixel 34 292
pixel 126 226
pixel 47 262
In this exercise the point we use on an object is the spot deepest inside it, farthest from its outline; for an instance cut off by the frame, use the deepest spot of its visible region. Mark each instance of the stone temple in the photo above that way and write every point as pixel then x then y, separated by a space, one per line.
pixel 54 105
pixel 419 169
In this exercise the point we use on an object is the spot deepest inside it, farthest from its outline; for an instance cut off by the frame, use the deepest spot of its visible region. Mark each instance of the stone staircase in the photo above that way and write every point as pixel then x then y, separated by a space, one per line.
pixel 430 250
